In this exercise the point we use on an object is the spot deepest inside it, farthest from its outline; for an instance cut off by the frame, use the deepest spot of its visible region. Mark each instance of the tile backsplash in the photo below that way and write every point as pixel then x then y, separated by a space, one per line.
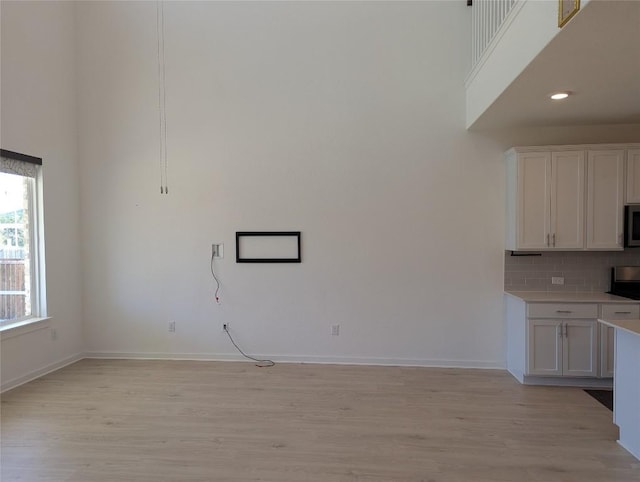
pixel 582 270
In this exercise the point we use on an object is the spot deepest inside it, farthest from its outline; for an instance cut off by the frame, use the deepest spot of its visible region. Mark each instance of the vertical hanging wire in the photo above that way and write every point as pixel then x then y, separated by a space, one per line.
pixel 162 108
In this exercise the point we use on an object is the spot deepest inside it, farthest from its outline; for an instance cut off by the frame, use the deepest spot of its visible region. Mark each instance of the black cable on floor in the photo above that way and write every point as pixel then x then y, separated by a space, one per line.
pixel 260 363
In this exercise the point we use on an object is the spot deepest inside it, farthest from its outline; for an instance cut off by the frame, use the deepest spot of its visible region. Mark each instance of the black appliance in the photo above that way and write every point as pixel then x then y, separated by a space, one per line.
pixel 625 281
pixel 632 226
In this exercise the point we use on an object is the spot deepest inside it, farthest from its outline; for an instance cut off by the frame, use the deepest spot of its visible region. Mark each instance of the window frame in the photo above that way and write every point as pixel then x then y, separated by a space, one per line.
pixel 37 268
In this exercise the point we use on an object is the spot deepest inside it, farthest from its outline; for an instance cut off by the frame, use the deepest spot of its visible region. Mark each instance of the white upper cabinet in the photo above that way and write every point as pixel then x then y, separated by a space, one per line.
pixel 569 198
pixel 545 211
pixel 605 195
pixel 533 200
pixel 633 177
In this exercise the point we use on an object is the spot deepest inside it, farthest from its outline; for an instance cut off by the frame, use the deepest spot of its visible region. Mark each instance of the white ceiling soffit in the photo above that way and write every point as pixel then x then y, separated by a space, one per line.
pixel 596 56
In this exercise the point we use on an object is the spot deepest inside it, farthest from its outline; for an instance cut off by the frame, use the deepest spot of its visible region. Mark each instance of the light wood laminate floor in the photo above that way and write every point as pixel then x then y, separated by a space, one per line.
pixel 182 421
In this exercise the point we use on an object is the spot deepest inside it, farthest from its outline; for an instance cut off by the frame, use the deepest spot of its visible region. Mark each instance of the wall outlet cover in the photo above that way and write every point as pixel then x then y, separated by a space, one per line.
pixel 557 280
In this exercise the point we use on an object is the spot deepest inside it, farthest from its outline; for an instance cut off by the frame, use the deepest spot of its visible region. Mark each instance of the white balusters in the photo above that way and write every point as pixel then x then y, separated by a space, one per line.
pixel 487 17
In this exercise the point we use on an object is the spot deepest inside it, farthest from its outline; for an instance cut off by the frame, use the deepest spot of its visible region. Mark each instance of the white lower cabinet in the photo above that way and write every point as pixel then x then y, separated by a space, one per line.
pixel 544 347
pixel 580 348
pixel 562 339
pixel 558 343
pixel 566 348
pixel 607 333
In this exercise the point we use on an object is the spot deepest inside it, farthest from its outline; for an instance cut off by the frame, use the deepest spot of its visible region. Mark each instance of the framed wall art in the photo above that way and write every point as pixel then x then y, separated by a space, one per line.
pixel 566 10
pixel 268 247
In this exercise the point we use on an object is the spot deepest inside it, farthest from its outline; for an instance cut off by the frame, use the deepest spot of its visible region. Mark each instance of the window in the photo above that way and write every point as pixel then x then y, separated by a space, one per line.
pixel 21 242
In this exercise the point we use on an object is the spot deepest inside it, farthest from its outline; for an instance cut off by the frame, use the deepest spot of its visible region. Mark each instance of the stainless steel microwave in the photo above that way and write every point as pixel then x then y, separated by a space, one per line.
pixel 632 226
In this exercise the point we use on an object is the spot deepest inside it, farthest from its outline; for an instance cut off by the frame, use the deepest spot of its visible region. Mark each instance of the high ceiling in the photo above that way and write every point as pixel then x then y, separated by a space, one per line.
pixel 596 56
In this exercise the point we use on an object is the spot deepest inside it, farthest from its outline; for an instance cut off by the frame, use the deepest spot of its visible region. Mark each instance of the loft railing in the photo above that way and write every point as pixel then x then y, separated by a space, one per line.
pixel 487 16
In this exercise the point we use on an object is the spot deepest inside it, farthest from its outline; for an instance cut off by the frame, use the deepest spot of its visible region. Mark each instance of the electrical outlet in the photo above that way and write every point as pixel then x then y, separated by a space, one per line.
pixel 335 330
pixel 172 327
pixel 557 280
pixel 217 250
pixel 226 326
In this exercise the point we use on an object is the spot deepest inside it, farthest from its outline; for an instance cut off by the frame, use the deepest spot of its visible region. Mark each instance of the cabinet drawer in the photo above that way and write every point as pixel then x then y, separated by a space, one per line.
pixel 563 310
pixel 621 312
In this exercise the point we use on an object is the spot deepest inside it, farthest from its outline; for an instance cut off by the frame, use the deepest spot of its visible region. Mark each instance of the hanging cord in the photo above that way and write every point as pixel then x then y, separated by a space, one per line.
pixel 260 363
pixel 213 273
pixel 164 107
pixel 162 110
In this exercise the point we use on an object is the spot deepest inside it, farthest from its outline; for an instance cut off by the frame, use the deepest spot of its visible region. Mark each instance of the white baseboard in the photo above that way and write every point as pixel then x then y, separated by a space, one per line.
pixel 409 362
pixel 8 385
pixel 405 362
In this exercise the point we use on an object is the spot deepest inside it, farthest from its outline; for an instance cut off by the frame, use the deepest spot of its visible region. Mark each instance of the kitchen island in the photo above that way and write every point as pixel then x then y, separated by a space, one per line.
pixel 626 382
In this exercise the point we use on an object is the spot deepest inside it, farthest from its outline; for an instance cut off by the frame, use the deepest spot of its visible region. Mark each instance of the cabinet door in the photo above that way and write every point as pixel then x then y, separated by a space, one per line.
pixel 567 200
pixel 579 350
pixel 607 336
pixel 625 311
pixel 534 195
pixel 544 347
pixel 605 194
pixel 633 176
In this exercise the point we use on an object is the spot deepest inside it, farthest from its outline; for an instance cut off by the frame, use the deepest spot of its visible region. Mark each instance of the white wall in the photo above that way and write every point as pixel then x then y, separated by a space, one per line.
pixel 342 120
pixel 39 118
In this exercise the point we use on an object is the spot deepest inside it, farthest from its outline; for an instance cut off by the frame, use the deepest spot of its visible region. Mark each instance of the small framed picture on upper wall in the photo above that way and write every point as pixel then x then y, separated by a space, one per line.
pixel 566 10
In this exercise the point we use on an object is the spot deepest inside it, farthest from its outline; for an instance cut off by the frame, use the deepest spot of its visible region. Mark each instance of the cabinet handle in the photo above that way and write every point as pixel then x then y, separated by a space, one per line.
pixel 564 311
pixel 566 331
pixel 554 240
pixel 622 313
pixel 547 239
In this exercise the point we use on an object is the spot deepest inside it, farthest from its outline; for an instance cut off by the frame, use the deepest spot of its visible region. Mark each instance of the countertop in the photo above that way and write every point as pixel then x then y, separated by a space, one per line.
pixel 632 326
pixel 571 297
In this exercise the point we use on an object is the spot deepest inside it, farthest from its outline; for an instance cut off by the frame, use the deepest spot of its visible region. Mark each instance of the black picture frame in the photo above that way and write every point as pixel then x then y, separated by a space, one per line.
pixel 240 259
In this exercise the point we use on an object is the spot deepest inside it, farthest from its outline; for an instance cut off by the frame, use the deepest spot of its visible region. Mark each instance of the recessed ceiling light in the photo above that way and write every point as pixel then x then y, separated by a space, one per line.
pixel 560 95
